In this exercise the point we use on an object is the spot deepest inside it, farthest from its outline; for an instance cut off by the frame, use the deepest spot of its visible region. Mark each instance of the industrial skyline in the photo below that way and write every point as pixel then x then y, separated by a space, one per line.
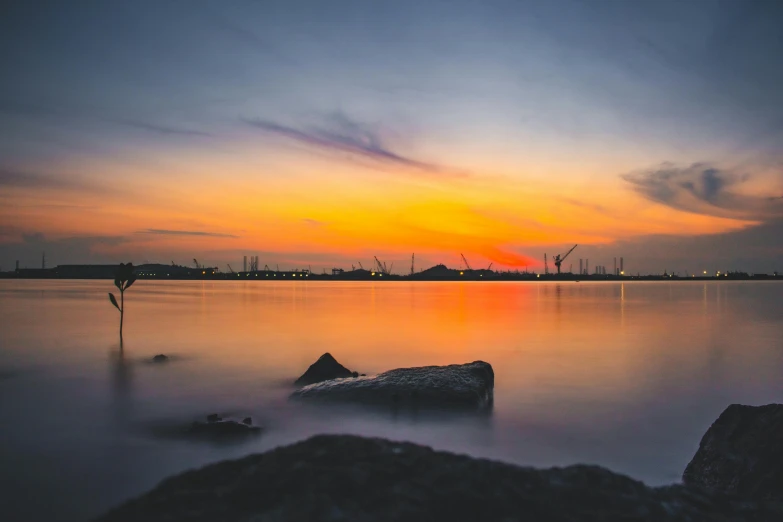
pixel 320 134
pixel 251 267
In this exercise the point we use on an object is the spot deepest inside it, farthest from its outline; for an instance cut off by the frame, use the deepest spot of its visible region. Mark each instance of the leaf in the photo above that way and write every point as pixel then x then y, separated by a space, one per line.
pixel 114 301
pixel 130 282
pixel 118 283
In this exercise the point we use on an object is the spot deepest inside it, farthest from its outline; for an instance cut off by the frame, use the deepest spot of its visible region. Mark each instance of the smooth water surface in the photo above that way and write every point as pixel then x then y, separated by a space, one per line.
pixel 625 375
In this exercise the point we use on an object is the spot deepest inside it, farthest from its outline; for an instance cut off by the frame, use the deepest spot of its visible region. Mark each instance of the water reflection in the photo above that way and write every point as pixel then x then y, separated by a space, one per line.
pixel 121 378
pixel 628 375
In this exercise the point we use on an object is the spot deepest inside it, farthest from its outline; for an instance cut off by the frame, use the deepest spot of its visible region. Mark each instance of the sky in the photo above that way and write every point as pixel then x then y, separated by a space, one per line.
pixel 322 134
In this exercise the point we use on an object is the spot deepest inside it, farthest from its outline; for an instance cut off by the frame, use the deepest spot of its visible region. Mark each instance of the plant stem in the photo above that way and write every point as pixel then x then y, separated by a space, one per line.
pixel 122 312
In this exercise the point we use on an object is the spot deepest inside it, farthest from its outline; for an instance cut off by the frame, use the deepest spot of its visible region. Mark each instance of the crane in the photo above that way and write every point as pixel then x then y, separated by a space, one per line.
pixel 490 266
pixel 360 265
pixel 466 262
pixel 413 257
pixel 546 265
pixel 382 266
pixel 230 269
pixel 195 261
pixel 559 259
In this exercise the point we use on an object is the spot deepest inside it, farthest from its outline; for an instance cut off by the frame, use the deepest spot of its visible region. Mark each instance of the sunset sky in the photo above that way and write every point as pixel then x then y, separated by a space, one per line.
pixel 325 132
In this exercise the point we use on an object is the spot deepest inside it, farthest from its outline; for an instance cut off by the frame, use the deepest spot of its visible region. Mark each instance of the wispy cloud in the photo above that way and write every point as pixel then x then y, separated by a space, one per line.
pixel 341 134
pixel 583 204
pixel 165 232
pixel 18 179
pixel 704 189
pixel 159 129
pixel 313 222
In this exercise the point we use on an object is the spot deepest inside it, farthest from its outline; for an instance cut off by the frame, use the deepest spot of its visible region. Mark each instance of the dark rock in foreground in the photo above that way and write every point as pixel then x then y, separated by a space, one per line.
pixel 742 453
pixel 342 478
pixel 324 369
pixel 160 358
pixel 219 428
pixel 457 385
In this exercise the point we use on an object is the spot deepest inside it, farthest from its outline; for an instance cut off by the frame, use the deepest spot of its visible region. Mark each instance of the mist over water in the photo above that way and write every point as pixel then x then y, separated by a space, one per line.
pixel 625 375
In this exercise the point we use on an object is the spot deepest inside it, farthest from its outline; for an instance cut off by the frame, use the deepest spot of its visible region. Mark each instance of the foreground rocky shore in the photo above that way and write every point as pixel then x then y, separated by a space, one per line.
pixel 344 477
pixel 736 475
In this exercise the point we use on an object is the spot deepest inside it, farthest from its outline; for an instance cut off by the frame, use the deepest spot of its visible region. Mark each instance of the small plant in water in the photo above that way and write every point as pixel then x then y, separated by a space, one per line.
pixel 123 280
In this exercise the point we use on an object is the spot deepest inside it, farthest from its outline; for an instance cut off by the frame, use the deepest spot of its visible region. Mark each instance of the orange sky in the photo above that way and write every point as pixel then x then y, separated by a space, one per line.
pixel 341 210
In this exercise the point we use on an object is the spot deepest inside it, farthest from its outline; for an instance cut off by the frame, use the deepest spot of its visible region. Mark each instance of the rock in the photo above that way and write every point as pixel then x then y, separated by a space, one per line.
pixel 346 478
pixel 324 369
pixel 458 385
pixel 222 428
pixel 742 453
pixel 160 358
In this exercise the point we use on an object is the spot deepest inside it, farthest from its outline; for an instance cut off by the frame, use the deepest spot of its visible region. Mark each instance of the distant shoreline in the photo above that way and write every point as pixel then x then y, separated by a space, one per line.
pixel 361 275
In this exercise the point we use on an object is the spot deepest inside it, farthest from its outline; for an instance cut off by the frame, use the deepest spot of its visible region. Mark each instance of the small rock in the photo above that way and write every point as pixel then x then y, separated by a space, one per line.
pixel 160 358
pixel 214 417
pixel 247 420
pixel 223 428
pixel 325 368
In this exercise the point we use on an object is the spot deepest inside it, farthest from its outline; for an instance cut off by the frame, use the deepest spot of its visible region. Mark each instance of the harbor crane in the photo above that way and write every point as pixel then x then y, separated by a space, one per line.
pixel 466 262
pixel 195 261
pixel 490 266
pixel 382 266
pixel 360 265
pixel 560 258
pixel 230 269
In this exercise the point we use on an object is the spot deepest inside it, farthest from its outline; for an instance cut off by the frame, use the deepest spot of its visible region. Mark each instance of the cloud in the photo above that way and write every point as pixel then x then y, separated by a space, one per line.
pixel 165 232
pixel 33 237
pixel 753 249
pixel 27 247
pixel 342 134
pixel 313 222
pixel 13 178
pixel 583 204
pixel 160 129
pixel 703 189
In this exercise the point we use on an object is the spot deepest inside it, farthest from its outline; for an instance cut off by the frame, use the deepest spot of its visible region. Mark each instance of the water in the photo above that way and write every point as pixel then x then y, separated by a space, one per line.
pixel 628 375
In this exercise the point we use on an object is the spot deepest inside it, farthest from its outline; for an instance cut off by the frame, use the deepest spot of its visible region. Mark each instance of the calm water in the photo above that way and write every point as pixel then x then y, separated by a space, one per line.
pixel 628 376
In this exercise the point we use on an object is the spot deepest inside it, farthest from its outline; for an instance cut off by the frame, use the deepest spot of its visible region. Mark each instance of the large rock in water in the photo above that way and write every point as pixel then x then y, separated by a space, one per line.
pixel 346 478
pixel 457 385
pixel 324 369
pixel 742 453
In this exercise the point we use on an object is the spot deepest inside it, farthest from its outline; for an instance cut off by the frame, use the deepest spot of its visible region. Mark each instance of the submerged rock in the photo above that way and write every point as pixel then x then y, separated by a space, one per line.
pixel 742 453
pixel 324 369
pixel 457 385
pixel 160 358
pixel 347 478
pixel 218 427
